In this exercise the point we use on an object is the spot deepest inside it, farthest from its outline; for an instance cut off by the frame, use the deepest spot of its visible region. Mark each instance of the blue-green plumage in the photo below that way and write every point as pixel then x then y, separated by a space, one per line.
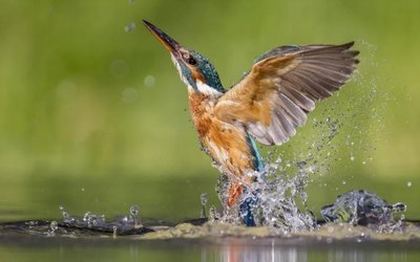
pixel 258 162
pixel 208 70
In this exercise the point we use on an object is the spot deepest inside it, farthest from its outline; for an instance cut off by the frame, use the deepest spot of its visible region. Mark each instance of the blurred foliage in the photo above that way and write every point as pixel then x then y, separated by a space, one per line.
pixel 88 99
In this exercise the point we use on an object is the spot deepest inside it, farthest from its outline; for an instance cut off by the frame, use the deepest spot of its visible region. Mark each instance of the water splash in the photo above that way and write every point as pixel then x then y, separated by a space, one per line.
pixel 342 132
pixel 135 216
pixel 114 231
pixel 280 190
pixel 52 228
pixel 203 201
pixel 282 203
pixel 126 224
pixel 280 197
pixel 360 207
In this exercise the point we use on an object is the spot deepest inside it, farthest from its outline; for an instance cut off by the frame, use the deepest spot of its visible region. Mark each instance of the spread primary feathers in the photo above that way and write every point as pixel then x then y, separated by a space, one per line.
pixel 274 98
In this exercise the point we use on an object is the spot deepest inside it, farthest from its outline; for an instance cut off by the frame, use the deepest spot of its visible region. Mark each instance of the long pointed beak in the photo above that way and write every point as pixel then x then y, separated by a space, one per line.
pixel 168 42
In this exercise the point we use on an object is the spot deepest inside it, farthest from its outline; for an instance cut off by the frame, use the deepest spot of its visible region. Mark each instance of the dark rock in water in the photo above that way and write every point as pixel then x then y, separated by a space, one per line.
pixel 361 208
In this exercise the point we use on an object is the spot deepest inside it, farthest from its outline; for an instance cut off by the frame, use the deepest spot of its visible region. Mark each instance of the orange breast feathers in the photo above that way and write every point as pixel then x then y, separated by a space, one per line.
pixel 225 143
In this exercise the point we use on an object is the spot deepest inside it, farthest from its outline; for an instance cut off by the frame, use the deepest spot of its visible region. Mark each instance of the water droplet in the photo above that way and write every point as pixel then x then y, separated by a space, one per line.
pixel 134 210
pixel 352 158
pixel 86 216
pixel 364 162
pixel 114 231
pixel 135 216
pixel 409 184
pixel 53 226
pixel 149 81
pixel 31 223
pixel 311 169
pixel 203 201
pixel 213 214
pixel 130 27
pixel 66 216
pixel 52 229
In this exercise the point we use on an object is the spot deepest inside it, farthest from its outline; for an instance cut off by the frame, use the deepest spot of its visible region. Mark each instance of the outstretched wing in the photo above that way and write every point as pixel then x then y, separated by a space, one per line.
pixel 274 98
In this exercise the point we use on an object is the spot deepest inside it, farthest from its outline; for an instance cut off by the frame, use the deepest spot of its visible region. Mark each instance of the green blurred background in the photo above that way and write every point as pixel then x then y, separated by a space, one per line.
pixel 94 117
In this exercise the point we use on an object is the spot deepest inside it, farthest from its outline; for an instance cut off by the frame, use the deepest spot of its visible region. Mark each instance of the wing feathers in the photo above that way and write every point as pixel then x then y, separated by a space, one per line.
pixel 298 98
pixel 302 77
pixel 283 86
pixel 295 112
pixel 285 122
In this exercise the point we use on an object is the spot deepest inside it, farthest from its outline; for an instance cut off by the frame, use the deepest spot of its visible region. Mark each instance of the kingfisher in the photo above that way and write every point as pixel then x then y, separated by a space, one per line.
pixel 266 106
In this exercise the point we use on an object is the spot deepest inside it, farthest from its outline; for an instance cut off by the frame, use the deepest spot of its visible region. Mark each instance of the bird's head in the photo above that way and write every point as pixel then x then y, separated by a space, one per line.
pixel 194 69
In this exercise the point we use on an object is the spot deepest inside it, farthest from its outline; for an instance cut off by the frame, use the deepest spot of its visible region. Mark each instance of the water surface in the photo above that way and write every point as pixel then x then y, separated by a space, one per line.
pixel 225 249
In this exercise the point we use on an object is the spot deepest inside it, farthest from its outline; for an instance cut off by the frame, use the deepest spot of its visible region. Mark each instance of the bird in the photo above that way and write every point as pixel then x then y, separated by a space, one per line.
pixel 265 106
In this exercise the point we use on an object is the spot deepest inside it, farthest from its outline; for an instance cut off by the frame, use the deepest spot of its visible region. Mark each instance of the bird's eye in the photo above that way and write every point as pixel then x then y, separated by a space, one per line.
pixel 188 58
pixel 191 60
